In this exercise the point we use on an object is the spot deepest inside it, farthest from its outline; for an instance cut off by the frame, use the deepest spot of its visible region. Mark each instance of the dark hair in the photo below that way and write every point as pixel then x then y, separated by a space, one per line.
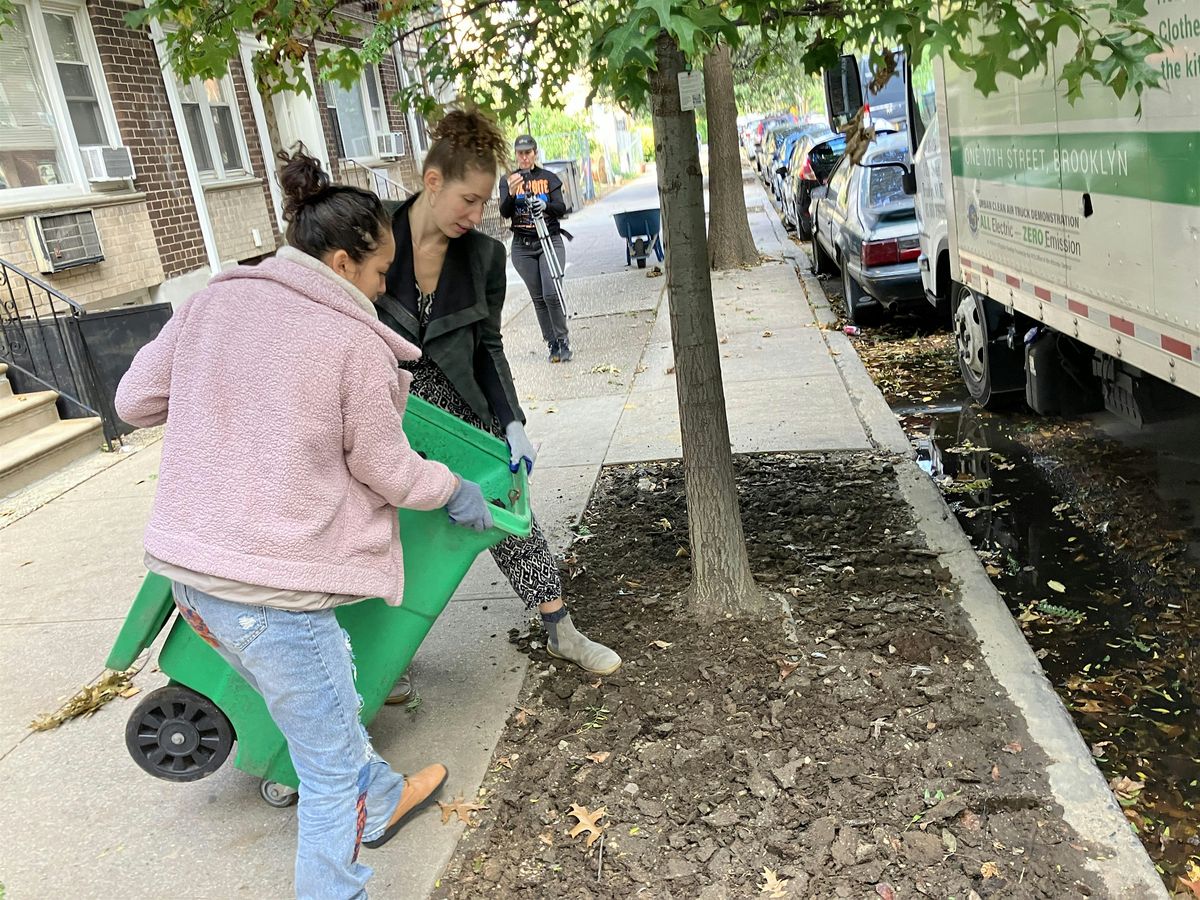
pixel 466 140
pixel 322 216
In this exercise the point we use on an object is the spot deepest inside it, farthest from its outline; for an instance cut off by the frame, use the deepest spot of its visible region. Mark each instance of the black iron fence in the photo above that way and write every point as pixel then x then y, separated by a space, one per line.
pixel 50 342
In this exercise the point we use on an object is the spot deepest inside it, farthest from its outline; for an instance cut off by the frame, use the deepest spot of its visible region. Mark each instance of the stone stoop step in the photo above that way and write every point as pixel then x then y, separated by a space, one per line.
pixel 34 442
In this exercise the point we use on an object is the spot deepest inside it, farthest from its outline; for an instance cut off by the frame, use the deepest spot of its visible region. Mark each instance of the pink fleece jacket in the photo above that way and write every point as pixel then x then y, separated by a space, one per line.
pixel 284 458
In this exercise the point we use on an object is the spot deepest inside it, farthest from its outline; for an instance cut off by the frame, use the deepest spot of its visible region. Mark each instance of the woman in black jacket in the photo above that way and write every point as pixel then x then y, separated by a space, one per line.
pixel 445 293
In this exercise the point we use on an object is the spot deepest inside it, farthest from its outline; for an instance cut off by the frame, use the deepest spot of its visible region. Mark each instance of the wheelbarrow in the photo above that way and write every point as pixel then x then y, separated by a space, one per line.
pixel 641 229
pixel 186 730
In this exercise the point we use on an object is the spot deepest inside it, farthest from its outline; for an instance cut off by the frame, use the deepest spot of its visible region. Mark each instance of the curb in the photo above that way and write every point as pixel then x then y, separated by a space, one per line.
pixel 1118 857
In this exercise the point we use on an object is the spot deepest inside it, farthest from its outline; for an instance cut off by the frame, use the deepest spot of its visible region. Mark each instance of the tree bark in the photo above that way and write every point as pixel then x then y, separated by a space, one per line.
pixel 721 580
pixel 730 244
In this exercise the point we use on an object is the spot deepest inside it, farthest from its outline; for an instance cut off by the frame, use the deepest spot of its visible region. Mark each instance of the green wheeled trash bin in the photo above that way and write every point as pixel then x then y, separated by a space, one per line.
pixel 185 730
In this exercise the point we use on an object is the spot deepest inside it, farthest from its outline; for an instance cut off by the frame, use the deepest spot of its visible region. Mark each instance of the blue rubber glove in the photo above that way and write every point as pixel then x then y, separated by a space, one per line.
pixel 468 508
pixel 519 448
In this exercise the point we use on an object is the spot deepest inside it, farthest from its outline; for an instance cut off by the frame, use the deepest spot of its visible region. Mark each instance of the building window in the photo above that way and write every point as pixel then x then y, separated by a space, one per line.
pixel 52 102
pixel 214 127
pixel 357 115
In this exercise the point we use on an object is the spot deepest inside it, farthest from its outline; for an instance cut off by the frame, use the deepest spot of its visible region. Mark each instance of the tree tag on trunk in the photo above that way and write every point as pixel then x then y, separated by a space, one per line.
pixel 691 90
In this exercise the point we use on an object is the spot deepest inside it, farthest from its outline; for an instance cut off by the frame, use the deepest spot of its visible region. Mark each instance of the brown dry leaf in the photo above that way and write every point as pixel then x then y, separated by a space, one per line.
pixel 587 822
pixel 547 839
pixel 523 715
pixel 599 757
pixel 505 761
pixel 773 886
pixel 1098 748
pixel 970 820
pixel 989 870
pixel 885 890
pixel 89 699
pixel 661 645
pixel 996 773
pixel 671 370
pixel 1014 747
pixel 460 808
pixel 1126 789
pixel 786 668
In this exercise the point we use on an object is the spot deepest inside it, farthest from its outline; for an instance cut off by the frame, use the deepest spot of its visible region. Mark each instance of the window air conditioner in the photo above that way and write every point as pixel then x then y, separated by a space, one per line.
pixel 63 241
pixel 107 163
pixel 391 144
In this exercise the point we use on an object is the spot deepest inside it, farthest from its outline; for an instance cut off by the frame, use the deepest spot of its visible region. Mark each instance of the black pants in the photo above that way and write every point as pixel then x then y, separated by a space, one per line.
pixel 531 265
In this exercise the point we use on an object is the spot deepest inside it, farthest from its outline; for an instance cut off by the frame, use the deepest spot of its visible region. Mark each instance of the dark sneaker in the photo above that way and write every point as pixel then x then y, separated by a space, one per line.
pixel 564 351
pixel 555 352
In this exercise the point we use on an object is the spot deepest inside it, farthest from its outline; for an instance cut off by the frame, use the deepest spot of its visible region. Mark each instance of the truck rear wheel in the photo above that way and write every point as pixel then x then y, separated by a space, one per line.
pixel 992 370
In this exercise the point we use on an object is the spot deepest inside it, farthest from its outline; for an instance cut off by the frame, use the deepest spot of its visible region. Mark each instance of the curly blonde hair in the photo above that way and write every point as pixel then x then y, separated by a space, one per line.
pixel 466 139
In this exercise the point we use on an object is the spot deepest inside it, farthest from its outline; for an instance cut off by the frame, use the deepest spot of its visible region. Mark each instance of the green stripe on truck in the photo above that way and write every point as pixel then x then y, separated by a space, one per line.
pixel 1161 166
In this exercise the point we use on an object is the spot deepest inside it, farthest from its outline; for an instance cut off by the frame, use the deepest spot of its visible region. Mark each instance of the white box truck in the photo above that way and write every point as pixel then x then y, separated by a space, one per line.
pixel 1063 239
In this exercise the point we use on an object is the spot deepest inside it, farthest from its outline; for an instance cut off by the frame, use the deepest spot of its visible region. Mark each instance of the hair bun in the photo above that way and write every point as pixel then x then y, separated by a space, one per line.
pixel 302 179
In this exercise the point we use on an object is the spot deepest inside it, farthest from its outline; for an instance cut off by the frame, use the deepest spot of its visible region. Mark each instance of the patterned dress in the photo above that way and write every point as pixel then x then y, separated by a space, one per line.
pixel 527 563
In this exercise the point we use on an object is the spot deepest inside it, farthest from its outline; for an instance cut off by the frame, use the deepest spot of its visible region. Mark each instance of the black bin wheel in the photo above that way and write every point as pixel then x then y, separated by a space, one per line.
pixel 178 735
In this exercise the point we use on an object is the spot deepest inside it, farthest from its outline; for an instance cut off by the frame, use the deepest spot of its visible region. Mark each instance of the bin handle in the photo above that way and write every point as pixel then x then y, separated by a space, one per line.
pixel 518 520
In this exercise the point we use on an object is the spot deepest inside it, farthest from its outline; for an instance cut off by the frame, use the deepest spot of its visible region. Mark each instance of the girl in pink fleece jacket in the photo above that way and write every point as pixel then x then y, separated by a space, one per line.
pixel 283 464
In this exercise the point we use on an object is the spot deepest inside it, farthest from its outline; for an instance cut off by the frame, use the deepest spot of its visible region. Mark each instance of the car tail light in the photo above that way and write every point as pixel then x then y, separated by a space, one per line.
pixel 880 253
pixel 891 252
pixel 806 170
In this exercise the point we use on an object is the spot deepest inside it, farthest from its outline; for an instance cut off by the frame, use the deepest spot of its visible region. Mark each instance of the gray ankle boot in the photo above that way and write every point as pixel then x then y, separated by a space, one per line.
pixel 565 642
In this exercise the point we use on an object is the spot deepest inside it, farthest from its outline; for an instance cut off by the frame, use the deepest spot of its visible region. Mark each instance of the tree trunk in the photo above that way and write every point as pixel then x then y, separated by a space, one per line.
pixel 730 243
pixel 721 579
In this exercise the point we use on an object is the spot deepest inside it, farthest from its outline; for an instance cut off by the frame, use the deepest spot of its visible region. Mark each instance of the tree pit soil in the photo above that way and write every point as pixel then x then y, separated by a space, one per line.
pixel 872 756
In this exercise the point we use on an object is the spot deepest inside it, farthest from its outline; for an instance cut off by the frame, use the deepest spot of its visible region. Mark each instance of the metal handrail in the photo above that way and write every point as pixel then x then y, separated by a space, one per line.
pixel 354 172
pixel 33 315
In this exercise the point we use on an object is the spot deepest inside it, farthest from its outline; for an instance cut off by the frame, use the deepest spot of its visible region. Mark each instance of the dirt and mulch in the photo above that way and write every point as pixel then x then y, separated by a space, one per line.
pixel 869 754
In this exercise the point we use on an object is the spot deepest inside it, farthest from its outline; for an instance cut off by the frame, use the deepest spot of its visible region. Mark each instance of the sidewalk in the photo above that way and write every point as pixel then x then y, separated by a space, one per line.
pixel 84 821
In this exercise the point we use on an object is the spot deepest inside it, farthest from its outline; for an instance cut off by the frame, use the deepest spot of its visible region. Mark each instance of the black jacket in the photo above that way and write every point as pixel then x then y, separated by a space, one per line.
pixel 539 182
pixel 463 336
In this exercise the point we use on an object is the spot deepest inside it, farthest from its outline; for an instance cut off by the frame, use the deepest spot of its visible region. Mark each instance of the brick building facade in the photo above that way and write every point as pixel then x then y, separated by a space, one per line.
pixel 77 81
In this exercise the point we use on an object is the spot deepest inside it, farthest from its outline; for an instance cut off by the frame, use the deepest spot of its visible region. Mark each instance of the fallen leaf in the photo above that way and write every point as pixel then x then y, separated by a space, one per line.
pixel 523 714
pixel 773 886
pixel 768 334
pixel 587 822
pixel 505 761
pixel 786 668
pixel 1014 747
pixel 661 645
pixel 1057 586
pixel 460 808
pixel 949 841
pixel 547 839
pixel 671 370
pixel 1098 748
pixel 885 890
pixel 599 757
pixel 989 870
pixel 996 773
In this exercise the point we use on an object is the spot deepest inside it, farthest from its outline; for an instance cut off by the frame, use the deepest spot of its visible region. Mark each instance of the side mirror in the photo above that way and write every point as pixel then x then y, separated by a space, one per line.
pixel 843 92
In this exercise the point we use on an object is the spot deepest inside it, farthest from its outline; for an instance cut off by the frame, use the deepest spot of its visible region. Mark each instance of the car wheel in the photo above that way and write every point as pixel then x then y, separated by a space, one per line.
pixel 823 264
pixel 803 226
pixel 992 370
pixel 860 308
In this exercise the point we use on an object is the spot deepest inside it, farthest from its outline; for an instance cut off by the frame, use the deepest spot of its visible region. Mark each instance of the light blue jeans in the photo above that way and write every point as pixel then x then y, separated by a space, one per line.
pixel 301 663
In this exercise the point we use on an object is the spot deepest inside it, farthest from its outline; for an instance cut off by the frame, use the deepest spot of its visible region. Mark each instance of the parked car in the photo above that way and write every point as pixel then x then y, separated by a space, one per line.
pixel 762 132
pixel 812 163
pixel 787 149
pixel 866 227
pixel 772 133
pixel 747 134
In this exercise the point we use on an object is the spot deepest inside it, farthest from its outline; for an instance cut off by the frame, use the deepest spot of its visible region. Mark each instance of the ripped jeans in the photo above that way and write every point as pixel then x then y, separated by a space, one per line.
pixel 302 665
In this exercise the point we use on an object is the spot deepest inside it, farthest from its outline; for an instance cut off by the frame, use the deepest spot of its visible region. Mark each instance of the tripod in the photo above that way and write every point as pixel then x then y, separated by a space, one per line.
pixel 552 262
